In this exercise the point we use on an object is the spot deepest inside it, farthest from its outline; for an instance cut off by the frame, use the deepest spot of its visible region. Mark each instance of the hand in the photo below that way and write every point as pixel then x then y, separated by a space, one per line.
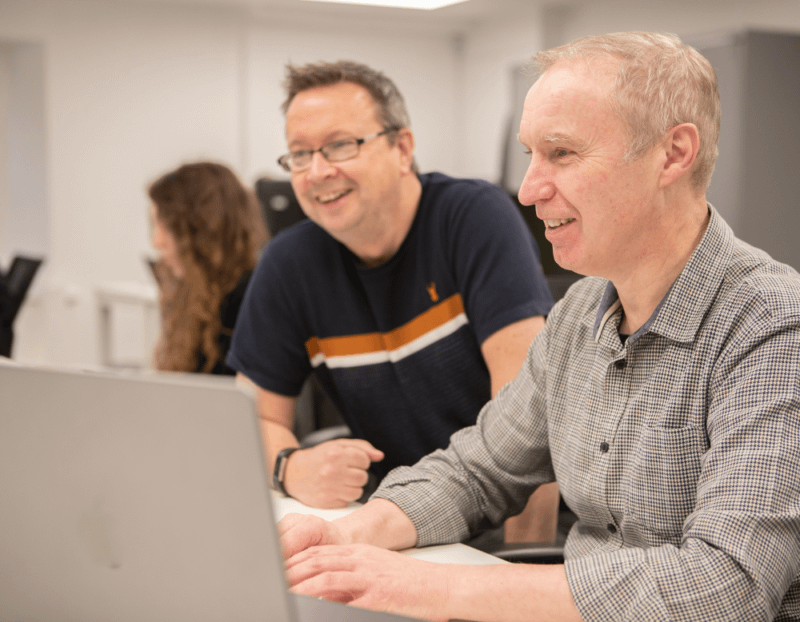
pixel 331 474
pixel 297 532
pixel 372 578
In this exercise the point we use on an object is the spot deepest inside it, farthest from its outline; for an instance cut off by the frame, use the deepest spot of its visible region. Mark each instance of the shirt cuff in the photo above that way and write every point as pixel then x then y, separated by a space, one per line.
pixel 436 519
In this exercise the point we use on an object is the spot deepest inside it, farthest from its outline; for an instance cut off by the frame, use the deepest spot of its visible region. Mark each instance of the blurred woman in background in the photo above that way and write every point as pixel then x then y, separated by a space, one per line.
pixel 208 230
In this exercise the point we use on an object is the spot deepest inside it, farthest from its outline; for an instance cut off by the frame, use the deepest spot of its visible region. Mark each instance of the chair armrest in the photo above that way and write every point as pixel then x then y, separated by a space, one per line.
pixel 324 434
pixel 530 552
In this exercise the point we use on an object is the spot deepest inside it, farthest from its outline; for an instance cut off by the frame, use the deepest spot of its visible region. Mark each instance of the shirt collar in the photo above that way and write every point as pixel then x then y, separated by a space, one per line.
pixel 690 296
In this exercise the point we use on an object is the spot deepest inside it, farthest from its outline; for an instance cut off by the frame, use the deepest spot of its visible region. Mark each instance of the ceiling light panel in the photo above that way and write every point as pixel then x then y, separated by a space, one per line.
pixel 402 4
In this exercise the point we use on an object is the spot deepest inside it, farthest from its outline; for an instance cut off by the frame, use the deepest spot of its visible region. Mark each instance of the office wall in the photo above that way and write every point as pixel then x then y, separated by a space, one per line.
pixel 132 88
pixel 492 55
pixel 423 68
pixel 129 90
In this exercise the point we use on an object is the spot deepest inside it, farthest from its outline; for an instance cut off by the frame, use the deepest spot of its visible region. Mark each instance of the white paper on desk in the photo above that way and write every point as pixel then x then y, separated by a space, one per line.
pixel 444 554
pixel 287 505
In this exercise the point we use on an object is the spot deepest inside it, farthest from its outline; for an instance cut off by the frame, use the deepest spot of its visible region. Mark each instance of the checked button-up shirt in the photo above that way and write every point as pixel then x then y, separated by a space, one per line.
pixel 678 449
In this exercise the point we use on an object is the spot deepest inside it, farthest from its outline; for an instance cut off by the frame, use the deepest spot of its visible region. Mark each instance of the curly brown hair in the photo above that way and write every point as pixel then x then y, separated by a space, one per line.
pixel 219 232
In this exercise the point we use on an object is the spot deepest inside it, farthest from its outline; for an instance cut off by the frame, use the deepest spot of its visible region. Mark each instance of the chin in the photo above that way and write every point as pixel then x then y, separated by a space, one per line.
pixel 562 261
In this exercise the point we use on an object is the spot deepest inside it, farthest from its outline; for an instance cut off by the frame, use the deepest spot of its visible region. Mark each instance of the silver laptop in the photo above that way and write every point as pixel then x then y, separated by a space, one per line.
pixel 139 499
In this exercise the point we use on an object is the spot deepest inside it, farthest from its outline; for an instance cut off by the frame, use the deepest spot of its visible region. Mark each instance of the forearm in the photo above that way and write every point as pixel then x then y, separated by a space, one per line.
pixel 276 413
pixel 276 437
pixel 379 523
pixel 509 593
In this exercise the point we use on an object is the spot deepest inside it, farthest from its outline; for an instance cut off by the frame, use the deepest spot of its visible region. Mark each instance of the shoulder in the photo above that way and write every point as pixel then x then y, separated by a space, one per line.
pixel 298 263
pixel 303 246
pixel 468 205
pixel 437 187
pixel 306 235
pixel 754 284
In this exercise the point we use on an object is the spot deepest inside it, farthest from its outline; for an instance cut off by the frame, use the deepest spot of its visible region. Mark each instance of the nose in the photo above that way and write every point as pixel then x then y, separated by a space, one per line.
pixel 320 167
pixel 157 236
pixel 538 185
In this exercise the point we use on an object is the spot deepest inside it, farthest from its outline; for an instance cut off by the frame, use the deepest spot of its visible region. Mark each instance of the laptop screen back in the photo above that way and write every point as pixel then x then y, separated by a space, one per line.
pixel 134 498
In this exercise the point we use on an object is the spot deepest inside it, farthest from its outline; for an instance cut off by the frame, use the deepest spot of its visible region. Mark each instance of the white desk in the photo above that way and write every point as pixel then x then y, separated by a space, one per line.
pixel 444 554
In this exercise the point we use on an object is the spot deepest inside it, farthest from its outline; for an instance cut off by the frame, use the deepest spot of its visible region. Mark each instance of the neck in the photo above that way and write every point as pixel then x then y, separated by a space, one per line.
pixel 381 242
pixel 642 291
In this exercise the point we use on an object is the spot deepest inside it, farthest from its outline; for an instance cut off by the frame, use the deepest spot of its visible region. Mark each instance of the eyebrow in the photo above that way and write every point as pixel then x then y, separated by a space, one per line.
pixel 560 137
pixel 338 134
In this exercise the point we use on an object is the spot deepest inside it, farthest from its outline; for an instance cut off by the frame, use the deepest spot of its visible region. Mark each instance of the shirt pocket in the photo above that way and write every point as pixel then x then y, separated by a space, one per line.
pixel 659 486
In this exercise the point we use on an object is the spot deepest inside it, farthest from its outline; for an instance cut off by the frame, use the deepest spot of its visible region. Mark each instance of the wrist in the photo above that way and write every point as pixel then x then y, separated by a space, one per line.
pixel 380 523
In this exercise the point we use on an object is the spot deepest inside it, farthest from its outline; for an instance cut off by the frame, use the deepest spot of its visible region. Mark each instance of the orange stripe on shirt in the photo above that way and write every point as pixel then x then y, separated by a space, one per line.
pixel 397 338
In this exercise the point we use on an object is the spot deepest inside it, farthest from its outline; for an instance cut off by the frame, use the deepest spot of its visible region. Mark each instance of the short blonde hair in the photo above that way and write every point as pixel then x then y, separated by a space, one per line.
pixel 660 82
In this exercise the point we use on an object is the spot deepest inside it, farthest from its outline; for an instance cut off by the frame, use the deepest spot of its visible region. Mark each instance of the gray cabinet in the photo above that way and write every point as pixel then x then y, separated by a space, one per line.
pixel 756 183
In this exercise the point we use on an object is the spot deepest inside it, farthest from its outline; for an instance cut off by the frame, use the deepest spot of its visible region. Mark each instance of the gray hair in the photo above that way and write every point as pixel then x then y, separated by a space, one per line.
pixel 660 82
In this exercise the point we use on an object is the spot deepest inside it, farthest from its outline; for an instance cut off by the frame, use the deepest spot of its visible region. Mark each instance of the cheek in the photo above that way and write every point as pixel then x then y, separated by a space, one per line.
pixel 583 192
pixel 301 192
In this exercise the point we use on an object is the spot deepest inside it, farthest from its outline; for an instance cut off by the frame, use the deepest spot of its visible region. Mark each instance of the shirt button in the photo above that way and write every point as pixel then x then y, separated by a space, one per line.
pixel 611 528
pixel 620 364
pixel 603 447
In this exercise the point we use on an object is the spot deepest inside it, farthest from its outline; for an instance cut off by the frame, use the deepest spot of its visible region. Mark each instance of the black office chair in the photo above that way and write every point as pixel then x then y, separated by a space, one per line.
pixel 317 419
pixel 13 290
pixel 530 552
pixel 278 204
pixel 539 552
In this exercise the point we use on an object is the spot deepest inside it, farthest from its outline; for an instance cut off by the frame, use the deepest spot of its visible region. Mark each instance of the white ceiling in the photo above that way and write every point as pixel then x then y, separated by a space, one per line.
pixel 451 19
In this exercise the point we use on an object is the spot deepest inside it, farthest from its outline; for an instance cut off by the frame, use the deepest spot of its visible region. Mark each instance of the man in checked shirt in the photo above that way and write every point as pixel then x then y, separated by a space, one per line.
pixel 663 394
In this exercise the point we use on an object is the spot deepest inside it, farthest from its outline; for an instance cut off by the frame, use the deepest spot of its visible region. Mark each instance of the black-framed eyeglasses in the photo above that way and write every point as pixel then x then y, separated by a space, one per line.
pixel 336 151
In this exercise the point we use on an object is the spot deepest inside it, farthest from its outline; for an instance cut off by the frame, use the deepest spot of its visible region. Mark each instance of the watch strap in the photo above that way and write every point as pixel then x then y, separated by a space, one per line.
pixel 279 472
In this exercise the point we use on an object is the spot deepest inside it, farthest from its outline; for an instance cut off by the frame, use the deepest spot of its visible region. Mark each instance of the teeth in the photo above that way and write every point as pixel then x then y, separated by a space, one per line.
pixel 552 224
pixel 331 197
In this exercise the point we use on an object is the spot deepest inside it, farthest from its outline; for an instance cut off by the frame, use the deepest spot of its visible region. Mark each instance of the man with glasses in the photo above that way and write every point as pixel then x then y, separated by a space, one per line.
pixel 663 393
pixel 413 298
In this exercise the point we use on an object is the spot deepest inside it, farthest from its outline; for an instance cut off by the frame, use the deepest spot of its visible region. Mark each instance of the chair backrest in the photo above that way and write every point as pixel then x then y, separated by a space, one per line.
pixel 279 204
pixel 18 280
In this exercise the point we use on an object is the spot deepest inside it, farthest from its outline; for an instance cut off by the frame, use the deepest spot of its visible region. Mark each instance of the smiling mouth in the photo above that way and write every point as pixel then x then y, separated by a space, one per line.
pixel 330 198
pixel 555 224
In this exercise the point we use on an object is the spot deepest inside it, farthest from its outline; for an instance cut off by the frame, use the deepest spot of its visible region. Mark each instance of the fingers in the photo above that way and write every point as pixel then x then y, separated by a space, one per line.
pixel 329 572
pixel 355 452
pixel 331 474
pixel 298 532
pixel 372 453
pixel 369 577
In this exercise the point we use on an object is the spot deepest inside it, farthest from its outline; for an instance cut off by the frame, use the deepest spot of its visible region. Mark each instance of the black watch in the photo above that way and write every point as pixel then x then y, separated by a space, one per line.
pixel 279 473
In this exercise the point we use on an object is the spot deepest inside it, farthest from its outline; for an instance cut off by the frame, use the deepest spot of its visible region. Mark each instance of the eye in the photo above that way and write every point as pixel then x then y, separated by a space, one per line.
pixel 561 153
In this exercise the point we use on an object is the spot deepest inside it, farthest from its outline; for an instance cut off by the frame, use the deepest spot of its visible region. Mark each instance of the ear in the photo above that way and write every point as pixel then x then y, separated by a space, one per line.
pixel 680 150
pixel 405 143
